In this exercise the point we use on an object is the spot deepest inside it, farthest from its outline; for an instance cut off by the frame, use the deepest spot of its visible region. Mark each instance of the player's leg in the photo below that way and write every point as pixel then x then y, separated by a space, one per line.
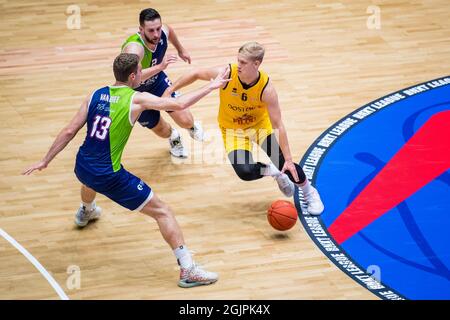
pixel 162 128
pixel 247 169
pixel 272 148
pixel 238 147
pixel 183 118
pixel 167 223
pixel 152 120
pixel 191 275
pixel 134 194
pixel 88 210
pixel 244 165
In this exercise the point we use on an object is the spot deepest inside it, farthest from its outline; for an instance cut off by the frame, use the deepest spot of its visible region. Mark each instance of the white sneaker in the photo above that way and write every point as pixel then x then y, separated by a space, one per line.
pixel 197 132
pixel 285 184
pixel 82 217
pixel 196 276
pixel 177 148
pixel 315 205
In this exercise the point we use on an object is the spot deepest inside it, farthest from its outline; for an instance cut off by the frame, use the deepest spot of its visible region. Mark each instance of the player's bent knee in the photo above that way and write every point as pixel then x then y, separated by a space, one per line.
pixel 183 118
pixel 162 129
pixel 156 208
pixel 246 172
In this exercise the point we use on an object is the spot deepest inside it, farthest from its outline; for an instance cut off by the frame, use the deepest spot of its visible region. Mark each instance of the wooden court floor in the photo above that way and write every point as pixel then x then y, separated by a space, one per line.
pixel 325 61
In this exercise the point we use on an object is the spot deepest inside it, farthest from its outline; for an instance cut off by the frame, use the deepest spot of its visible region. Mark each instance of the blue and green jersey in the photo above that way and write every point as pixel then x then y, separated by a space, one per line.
pixel 108 129
pixel 151 58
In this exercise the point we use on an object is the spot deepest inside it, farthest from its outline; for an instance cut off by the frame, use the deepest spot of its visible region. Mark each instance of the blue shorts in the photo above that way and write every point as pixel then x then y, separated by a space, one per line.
pixel 121 187
pixel 155 85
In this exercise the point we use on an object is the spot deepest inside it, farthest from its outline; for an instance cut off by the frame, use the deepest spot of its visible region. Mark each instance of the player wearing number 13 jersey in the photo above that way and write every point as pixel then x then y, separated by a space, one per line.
pixel 110 114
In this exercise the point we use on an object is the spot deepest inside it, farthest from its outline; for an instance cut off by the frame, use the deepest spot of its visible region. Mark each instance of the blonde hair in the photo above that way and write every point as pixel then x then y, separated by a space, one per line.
pixel 253 50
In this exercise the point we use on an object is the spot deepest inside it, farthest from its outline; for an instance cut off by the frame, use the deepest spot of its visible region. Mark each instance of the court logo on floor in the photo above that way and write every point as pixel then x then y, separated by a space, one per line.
pixel 383 173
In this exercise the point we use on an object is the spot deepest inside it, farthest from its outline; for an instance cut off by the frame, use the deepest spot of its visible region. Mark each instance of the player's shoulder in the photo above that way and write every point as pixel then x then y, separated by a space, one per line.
pixel 135 37
pixel 264 73
pixel 141 97
pixel 134 42
pixel 137 97
pixel 166 30
pixel 268 92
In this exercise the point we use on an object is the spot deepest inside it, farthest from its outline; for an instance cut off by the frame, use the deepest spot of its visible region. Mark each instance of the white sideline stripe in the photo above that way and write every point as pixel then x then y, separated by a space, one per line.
pixel 36 263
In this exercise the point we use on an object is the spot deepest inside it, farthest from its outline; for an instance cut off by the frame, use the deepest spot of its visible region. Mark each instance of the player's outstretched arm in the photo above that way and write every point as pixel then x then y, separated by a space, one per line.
pixel 145 101
pixel 63 138
pixel 149 101
pixel 192 76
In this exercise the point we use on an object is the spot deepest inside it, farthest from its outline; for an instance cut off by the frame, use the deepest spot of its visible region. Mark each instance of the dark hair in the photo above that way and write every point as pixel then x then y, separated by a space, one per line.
pixel 148 14
pixel 124 65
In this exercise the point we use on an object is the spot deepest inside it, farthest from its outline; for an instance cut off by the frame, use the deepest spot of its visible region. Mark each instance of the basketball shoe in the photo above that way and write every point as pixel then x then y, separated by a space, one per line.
pixel 285 184
pixel 82 217
pixel 315 205
pixel 176 145
pixel 196 276
pixel 196 132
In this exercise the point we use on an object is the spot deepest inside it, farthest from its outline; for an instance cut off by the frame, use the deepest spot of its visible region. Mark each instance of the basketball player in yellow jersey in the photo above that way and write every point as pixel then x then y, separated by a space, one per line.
pixel 249 112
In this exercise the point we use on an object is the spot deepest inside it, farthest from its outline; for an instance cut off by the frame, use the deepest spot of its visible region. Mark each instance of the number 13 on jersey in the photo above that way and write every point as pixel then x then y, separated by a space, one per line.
pixel 100 127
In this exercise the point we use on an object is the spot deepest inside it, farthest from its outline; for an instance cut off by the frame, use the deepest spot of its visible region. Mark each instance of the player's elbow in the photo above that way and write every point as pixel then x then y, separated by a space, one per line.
pixel 177 105
pixel 197 75
pixel 70 131
pixel 182 105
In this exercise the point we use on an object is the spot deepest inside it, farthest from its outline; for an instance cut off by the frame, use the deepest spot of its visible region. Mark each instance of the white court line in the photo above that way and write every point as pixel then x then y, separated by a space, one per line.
pixel 36 263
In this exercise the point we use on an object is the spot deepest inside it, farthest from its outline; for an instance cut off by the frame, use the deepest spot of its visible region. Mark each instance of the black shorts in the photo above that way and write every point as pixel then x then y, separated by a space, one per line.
pixel 156 85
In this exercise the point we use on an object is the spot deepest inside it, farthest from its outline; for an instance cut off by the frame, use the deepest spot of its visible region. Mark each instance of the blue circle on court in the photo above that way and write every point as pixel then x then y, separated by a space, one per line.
pixel 383 175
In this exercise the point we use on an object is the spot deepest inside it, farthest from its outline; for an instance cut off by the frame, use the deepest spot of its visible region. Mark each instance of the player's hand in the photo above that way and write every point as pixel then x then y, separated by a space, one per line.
pixel 184 55
pixel 221 79
pixel 37 166
pixel 168 59
pixel 289 166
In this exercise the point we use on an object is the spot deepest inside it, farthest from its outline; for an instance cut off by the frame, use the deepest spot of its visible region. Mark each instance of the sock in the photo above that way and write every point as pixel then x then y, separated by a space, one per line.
pixel 174 135
pixel 88 206
pixel 184 257
pixel 271 170
pixel 306 187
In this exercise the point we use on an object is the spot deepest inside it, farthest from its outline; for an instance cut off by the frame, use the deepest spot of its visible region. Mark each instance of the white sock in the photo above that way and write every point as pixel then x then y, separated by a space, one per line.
pixel 174 135
pixel 88 206
pixel 271 170
pixel 306 187
pixel 184 257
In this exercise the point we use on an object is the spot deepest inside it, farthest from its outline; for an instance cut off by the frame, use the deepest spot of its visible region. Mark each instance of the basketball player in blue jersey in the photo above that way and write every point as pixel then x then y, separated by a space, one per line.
pixel 150 44
pixel 110 113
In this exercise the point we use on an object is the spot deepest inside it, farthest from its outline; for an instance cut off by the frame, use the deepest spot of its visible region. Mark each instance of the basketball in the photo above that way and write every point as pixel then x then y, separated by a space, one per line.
pixel 282 215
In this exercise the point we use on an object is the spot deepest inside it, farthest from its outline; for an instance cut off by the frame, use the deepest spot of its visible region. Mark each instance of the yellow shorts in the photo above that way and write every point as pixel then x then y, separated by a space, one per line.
pixel 241 139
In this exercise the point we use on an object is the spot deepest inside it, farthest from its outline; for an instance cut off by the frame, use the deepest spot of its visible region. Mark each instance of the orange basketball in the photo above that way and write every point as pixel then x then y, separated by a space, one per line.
pixel 282 215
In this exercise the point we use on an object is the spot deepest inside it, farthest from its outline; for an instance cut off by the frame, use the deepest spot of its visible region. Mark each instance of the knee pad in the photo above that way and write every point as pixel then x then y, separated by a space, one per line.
pixel 149 118
pixel 247 172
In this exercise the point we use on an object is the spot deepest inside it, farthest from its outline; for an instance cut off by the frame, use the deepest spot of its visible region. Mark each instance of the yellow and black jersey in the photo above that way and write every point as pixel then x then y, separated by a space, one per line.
pixel 241 106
